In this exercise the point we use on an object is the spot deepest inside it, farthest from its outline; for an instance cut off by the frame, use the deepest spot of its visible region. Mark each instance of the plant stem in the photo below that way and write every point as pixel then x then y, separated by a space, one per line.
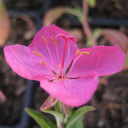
pixel 62 126
pixel 85 17
pixel 85 24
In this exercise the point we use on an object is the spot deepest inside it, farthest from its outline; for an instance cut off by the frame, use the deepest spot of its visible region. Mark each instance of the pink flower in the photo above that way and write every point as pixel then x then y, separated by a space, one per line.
pixel 66 72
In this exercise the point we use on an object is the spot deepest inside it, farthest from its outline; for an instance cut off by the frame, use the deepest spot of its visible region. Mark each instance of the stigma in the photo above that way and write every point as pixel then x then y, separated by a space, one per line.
pixel 66 38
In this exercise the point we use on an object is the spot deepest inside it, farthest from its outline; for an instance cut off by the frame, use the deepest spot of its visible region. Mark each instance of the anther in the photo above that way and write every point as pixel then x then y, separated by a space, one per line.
pixel 36 53
pixel 44 39
pixel 77 52
pixel 42 63
pixel 54 41
pixel 59 66
pixel 85 53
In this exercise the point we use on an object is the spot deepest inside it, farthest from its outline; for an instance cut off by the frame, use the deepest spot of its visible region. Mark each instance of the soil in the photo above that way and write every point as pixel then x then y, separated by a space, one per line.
pixel 110 100
pixel 104 8
pixel 12 85
pixel 110 8
pixel 111 104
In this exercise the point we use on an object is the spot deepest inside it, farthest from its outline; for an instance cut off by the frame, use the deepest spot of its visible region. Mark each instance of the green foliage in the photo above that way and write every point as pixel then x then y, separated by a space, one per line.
pixel 95 35
pixel 78 123
pixel 75 120
pixel 92 3
pixel 58 107
pixel 43 121
pixel 77 12
pixel 53 14
pixel 4 24
pixel 59 116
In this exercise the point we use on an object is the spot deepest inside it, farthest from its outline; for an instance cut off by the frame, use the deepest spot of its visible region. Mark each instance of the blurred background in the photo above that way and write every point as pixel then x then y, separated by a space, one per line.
pixel 93 22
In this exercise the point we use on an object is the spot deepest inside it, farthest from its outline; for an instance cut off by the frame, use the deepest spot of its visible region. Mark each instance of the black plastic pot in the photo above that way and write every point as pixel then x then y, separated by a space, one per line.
pixel 108 22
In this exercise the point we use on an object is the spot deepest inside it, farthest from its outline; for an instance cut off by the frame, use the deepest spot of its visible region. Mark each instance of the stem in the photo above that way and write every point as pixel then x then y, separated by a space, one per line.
pixel 86 27
pixel 85 24
pixel 61 126
pixel 60 109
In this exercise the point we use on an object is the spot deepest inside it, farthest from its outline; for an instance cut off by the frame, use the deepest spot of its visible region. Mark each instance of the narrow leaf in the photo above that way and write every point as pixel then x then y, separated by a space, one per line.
pixel 31 27
pixel 43 121
pixel 76 115
pixel 53 14
pixel 125 65
pixel 95 35
pixel 66 109
pixel 2 97
pixel 78 123
pixel 4 24
pixel 92 3
pixel 116 38
pixel 58 116
pixel 50 102
pixel 58 107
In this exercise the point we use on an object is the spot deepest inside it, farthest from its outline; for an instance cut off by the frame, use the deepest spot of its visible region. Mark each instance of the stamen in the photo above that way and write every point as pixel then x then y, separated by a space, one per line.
pixel 85 53
pixel 57 54
pixel 59 66
pixel 46 44
pixel 42 63
pixel 77 52
pixel 54 41
pixel 36 53
pixel 44 39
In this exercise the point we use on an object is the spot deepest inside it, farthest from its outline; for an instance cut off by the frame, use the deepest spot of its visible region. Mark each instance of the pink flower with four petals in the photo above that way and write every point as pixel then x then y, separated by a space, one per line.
pixel 66 72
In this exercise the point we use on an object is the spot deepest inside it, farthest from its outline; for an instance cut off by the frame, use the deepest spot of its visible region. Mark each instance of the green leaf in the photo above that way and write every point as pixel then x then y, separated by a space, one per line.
pixel 59 117
pixel 58 107
pixel 76 117
pixel 43 121
pixel 95 35
pixel 78 123
pixel 76 12
pixel 54 14
pixel 92 3
pixel 116 38
pixel 4 24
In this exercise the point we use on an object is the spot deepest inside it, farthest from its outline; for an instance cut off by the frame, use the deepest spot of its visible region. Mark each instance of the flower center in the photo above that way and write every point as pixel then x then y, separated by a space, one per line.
pixel 61 73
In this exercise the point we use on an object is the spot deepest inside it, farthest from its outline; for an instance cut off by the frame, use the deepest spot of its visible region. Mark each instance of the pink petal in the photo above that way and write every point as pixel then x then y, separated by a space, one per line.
pixel 25 63
pixel 53 52
pixel 73 92
pixel 104 60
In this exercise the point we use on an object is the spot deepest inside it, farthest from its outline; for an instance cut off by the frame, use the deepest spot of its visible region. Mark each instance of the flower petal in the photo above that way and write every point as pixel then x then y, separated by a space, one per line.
pixel 51 47
pixel 25 63
pixel 73 92
pixel 103 60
